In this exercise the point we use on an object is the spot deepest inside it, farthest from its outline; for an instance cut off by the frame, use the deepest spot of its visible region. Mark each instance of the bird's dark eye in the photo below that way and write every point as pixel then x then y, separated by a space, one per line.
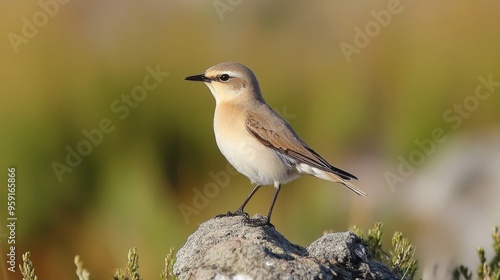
pixel 224 77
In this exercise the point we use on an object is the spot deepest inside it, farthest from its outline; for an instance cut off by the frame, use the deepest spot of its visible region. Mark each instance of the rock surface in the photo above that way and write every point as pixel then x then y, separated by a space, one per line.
pixel 228 248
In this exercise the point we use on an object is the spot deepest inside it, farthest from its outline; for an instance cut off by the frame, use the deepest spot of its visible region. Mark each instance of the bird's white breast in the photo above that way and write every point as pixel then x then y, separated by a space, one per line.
pixel 261 164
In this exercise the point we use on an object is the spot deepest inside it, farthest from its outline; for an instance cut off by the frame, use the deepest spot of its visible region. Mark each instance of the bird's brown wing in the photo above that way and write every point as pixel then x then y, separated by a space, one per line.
pixel 272 131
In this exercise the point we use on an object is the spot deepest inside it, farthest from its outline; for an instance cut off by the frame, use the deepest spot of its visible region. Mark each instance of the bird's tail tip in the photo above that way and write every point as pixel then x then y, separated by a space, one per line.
pixel 349 185
pixel 354 189
pixel 332 177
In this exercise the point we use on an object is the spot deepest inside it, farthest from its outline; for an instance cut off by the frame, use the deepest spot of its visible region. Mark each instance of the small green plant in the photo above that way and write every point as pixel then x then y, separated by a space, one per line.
pixel 485 270
pixel 168 271
pixel 374 241
pixel 462 271
pixel 400 259
pixel 132 269
pixel 27 269
pixel 81 272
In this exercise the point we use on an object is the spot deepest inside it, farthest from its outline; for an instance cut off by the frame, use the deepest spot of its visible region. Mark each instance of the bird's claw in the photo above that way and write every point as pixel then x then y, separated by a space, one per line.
pixel 238 212
pixel 259 222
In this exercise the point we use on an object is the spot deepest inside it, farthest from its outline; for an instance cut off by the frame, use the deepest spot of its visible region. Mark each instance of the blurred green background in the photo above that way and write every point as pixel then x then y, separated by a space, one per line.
pixel 62 76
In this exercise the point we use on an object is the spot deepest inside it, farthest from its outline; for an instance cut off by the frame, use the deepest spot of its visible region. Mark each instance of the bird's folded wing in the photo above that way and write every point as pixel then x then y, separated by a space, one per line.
pixel 280 137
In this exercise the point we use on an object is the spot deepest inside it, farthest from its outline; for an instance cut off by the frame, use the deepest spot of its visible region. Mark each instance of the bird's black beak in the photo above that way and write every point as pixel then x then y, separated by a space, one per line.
pixel 198 78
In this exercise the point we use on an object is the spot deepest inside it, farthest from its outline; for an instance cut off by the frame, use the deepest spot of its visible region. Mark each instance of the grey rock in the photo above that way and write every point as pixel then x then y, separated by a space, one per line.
pixel 228 248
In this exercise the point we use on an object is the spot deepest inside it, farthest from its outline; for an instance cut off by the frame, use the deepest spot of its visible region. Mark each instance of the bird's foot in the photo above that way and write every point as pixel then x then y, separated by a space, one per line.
pixel 238 212
pixel 259 221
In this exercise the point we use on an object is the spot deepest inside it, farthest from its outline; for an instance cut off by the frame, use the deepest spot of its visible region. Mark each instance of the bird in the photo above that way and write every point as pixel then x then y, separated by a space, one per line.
pixel 256 140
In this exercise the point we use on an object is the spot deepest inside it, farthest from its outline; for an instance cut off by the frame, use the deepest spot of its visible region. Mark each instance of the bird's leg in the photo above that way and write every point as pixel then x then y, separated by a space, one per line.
pixel 267 219
pixel 239 211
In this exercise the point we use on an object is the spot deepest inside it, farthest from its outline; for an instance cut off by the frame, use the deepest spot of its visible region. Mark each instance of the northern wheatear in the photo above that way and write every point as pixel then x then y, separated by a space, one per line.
pixel 256 140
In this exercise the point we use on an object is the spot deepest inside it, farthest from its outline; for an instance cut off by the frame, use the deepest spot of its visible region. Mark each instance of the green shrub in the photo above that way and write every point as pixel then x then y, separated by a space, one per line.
pixel 485 270
pixel 400 260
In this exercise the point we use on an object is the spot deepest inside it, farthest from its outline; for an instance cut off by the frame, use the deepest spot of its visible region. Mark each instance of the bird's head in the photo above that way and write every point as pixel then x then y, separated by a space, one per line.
pixel 230 80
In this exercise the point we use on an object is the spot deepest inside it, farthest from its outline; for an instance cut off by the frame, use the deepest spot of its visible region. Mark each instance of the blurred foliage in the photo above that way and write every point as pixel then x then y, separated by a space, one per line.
pixel 131 271
pixel 486 270
pixel 26 268
pixel 168 271
pixel 400 259
pixel 81 272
